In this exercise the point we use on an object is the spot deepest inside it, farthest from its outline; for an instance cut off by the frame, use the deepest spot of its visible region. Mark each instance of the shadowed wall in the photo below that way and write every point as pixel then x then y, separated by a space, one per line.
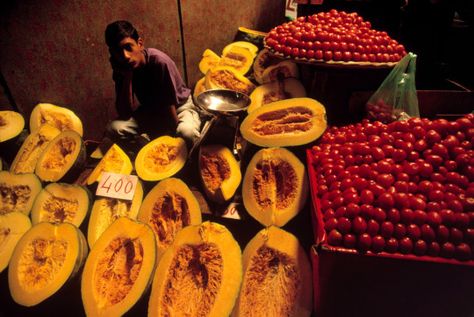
pixel 54 51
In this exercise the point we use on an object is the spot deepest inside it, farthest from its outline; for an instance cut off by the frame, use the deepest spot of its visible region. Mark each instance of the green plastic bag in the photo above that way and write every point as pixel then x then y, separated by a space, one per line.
pixel 396 98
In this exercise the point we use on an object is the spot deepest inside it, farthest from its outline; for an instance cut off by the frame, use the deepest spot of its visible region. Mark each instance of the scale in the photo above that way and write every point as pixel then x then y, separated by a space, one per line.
pixel 224 107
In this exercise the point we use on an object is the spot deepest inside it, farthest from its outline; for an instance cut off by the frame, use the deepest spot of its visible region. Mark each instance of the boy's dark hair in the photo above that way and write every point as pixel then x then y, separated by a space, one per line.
pixel 118 30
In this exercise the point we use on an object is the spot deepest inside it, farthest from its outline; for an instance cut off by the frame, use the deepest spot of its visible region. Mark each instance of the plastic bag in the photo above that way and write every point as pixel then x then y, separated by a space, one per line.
pixel 396 98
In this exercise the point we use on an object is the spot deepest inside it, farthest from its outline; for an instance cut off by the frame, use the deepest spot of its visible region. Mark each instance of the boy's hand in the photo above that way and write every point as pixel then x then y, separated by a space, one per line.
pixel 120 69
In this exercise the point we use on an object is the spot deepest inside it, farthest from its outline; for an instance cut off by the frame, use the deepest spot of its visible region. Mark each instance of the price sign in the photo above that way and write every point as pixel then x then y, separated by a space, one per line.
pixel 117 186
pixel 231 212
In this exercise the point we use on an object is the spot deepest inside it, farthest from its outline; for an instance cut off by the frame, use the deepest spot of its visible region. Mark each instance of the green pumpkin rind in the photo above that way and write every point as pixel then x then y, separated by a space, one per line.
pixel 275 186
pixel 179 289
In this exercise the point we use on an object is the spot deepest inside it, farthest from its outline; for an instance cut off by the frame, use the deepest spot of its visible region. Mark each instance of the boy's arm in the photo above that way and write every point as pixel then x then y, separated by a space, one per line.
pixel 123 90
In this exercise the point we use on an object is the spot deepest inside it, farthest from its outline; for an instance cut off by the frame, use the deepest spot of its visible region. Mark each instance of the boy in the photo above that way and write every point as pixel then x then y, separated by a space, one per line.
pixel 165 103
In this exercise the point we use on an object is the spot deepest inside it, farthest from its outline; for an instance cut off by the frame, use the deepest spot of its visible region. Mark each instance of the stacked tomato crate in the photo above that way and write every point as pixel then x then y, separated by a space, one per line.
pixel 402 190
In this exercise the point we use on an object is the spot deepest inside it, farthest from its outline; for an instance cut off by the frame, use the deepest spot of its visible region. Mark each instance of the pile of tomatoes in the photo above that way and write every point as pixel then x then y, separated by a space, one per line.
pixel 333 36
pixel 405 187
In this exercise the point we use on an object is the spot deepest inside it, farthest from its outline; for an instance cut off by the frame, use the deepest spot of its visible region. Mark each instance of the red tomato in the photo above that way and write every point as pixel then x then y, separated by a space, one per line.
pixel 334 237
pixel 405 245
pixel 427 233
pixel 391 245
pixel 350 241
pixel 447 250
pixel 378 244
pixel 364 242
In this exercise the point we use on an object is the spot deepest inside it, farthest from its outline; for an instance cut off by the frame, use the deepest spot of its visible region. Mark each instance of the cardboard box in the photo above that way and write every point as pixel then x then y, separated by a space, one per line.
pixel 349 283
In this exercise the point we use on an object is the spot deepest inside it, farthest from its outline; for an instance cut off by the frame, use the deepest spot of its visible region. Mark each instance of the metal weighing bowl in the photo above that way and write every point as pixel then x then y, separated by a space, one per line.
pixel 223 102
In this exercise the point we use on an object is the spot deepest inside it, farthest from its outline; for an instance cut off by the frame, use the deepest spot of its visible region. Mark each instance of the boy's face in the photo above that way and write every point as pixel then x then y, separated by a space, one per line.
pixel 128 53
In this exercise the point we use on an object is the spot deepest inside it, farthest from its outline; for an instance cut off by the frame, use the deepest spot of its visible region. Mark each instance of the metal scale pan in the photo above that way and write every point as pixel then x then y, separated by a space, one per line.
pixel 221 104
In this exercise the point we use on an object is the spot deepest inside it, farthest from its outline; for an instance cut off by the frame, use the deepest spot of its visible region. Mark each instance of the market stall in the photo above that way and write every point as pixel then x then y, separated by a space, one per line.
pixel 289 204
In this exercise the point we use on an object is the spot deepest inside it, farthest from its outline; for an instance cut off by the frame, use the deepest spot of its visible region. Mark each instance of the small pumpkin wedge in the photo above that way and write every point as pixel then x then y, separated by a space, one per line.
pixel 253 36
pixel 252 48
pixel 118 269
pixel 161 158
pixel 106 210
pixel 45 258
pixel 115 160
pixel 274 91
pixel 19 192
pixel 275 186
pixel 199 275
pixel 63 159
pixel 219 171
pixel 284 69
pixel 59 117
pixel 288 122
pixel 61 202
pixel 209 59
pixel 12 227
pixel 228 77
pixel 167 208
pixel 263 60
pixel 277 278
pixel 31 149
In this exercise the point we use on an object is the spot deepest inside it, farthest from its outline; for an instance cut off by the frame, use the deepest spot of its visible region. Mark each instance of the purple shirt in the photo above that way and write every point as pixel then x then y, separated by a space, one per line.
pixel 158 84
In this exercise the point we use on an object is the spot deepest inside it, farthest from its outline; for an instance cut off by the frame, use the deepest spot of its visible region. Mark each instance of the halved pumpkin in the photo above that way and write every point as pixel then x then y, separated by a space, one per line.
pixel 167 208
pixel 253 36
pixel 274 91
pixel 277 277
pixel 45 258
pixel 60 117
pixel 119 268
pixel 106 210
pixel 62 159
pixel 238 57
pixel 209 59
pixel 61 202
pixel 12 227
pixel 263 60
pixel 228 77
pixel 288 122
pixel 11 124
pixel 252 48
pixel 219 171
pixel 18 192
pixel 115 160
pixel 161 158
pixel 199 275
pixel 31 149
pixel 275 186
pixel 284 69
